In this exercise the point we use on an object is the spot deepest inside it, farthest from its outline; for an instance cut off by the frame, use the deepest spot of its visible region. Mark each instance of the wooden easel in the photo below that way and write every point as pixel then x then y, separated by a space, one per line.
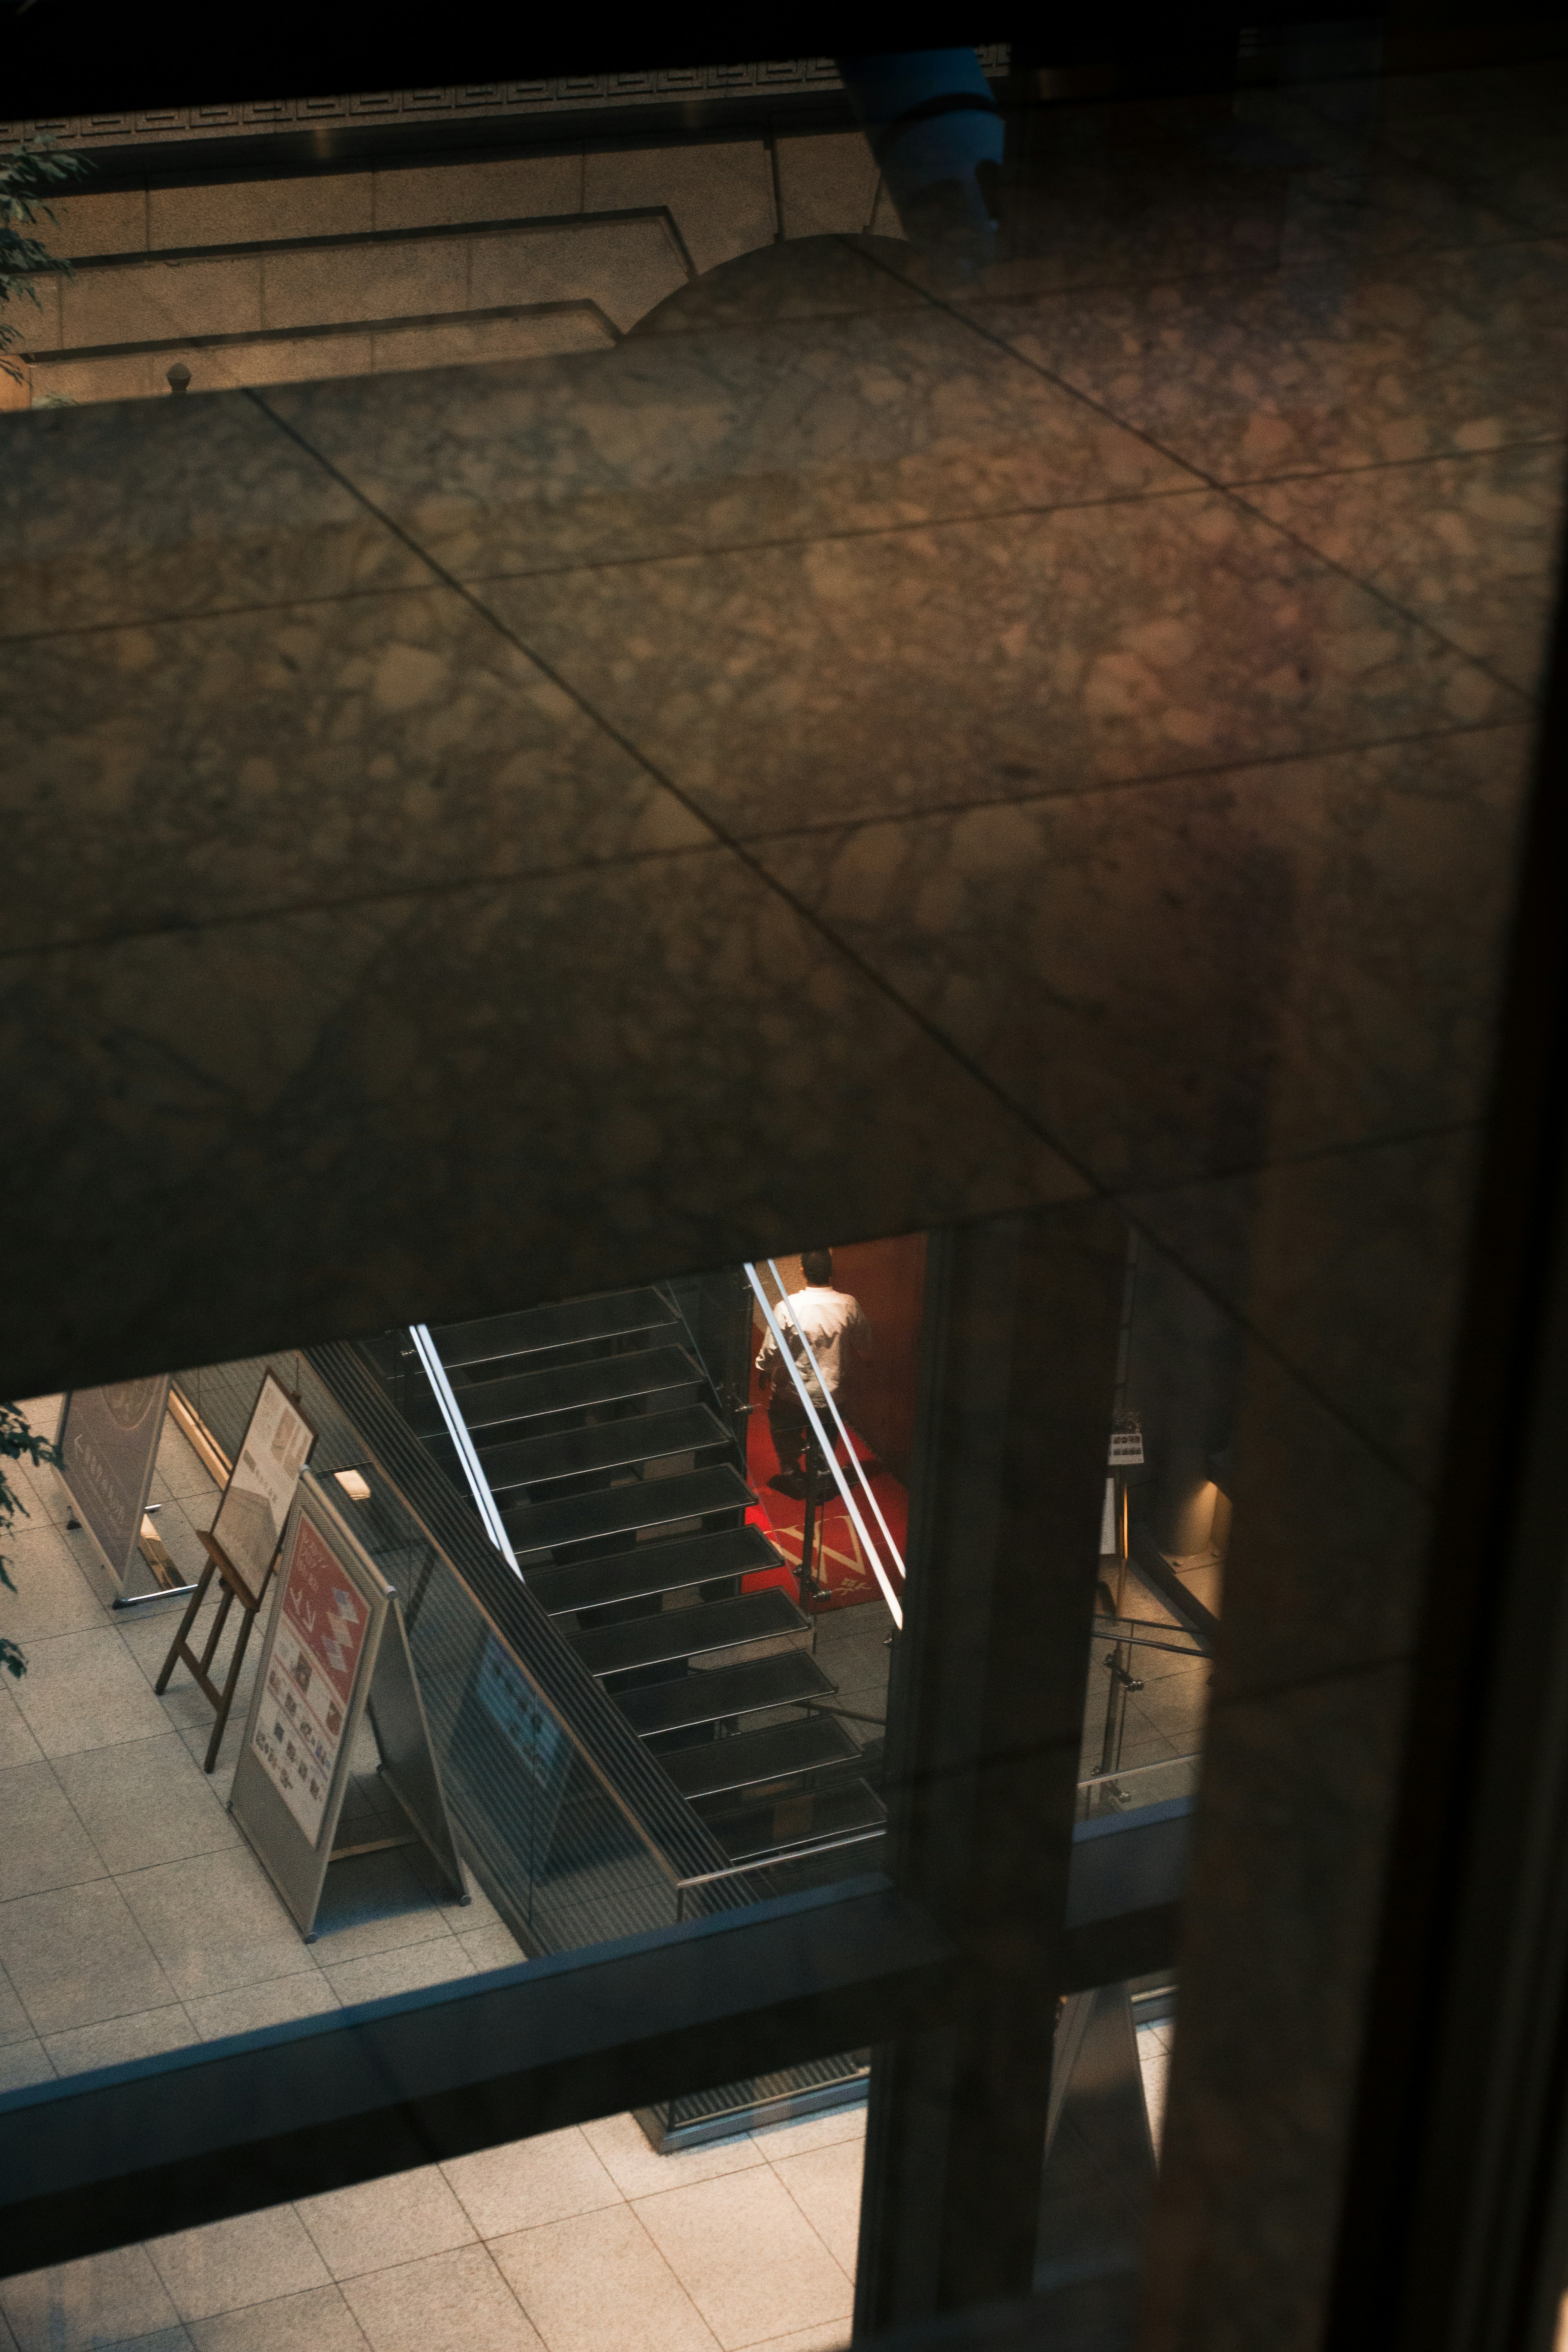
pixel 235 1588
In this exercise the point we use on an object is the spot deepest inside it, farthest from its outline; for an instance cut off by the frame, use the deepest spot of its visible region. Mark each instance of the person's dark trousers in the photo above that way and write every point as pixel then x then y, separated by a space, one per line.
pixel 790 1430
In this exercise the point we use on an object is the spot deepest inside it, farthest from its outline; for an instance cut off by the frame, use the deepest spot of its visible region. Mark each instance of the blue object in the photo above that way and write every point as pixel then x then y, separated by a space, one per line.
pixel 936 132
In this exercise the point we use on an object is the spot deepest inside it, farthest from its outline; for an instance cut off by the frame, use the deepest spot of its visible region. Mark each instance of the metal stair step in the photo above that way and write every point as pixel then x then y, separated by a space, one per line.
pixel 562 1325
pixel 603 1379
pixel 648 1567
pixel 756 1829
pixel 620 1510
pixel 804 1746
pixel 609 1446
pixel 714 1692
pixel 688 1633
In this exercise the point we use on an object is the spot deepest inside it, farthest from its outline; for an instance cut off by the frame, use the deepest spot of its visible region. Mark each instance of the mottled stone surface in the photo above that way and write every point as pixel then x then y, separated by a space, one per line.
pixel 1206 976
pixel 553 1085
pixel 1469 543
pixel 365 743
pixel 131 512
pixel 681 443
pixel 978 661
pixel 1346 1266
pixel 1324 366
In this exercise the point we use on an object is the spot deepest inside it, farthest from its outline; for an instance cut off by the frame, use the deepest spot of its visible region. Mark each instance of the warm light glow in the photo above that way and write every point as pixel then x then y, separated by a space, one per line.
pixel 354 1486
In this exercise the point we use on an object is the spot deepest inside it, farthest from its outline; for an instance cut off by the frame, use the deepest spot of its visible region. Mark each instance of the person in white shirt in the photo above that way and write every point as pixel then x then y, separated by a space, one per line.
pixel 837 1328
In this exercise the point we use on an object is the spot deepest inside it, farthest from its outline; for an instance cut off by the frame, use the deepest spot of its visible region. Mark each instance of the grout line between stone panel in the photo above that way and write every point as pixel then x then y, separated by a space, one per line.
pixel 1400 465
pixel 1440 1131
pixel 866 821
pixel 1212 481
pixel 393 893
pixel 1094 1190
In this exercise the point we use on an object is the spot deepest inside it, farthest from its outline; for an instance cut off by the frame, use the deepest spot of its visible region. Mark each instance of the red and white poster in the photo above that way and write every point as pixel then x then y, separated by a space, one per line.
pixel 321 1629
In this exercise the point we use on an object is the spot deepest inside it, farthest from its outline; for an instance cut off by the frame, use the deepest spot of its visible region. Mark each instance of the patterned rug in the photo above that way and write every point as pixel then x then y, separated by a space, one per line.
pixel 844 1575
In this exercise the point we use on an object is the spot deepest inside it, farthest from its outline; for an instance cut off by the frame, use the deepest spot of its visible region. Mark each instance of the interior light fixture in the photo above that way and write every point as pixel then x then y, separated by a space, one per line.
pixel 354 1485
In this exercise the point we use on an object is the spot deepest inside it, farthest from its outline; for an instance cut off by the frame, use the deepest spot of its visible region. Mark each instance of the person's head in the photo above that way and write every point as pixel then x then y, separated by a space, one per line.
pixel 816 1265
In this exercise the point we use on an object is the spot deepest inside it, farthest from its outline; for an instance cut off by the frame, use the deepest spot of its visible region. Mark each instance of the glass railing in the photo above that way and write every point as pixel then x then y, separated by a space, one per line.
pixel 1146 1696
pixel 1147 1784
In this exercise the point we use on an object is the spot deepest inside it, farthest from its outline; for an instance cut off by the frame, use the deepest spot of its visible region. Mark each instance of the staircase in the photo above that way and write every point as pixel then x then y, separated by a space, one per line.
pixel 622 1491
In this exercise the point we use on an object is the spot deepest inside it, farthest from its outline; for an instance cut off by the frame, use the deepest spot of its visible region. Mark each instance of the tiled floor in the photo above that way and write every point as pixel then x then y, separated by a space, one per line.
pixel 133 1917
pixel 585 2241
pixel 1154 2046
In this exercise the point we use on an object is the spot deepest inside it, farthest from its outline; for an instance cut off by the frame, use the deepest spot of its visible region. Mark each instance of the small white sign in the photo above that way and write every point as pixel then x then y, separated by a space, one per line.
pixel 1126 1449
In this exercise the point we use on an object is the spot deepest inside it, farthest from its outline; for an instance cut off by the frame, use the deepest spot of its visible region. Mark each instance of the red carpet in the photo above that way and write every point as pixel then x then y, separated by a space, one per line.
pixel 841 1564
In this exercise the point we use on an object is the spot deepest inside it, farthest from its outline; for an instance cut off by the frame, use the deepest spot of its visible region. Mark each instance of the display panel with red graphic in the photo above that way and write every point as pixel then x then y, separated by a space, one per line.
pixel 311 1671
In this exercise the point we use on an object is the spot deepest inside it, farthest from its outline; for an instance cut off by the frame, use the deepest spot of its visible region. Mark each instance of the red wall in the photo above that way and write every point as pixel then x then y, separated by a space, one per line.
pixel 889 1279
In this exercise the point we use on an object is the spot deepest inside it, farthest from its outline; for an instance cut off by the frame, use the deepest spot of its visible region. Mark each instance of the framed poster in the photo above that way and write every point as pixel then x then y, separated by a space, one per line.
pixel 335 1650
pixel 255 1505
pixel 109 1448
pixel 318 1640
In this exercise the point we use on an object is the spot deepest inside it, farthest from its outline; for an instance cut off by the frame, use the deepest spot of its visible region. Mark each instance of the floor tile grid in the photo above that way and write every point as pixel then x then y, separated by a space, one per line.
pixel 25 2056
pixel 28 2054
pixel 406 2265
pixel 103 1993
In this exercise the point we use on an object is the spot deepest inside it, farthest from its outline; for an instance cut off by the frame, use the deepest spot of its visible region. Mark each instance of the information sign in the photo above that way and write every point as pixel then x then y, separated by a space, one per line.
pixel 109 1448
pixel 242 1544
pixel 256 1501
pixel 311 1672
pixel 335 1655
pixel 538 1741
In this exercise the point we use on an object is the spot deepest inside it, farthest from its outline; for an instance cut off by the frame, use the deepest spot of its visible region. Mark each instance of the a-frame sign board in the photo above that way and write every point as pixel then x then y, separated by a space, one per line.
pixel 108 1440
pixel 335 1651
pixel 242 1545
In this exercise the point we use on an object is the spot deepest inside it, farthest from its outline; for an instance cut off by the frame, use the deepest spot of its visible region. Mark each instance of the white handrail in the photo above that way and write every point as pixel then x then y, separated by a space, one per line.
pixel 458 1431
pixel 785 1301
pixel 821 1435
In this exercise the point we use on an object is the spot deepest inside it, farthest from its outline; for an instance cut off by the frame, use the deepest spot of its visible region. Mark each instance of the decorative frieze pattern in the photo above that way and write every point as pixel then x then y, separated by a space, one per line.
pixel 565 96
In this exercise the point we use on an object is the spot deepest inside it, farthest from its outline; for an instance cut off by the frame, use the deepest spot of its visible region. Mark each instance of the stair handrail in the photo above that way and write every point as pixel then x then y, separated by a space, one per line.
pixel 776 1860
pixel 888 1595
pixel 856 1463
pixel 458 1431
